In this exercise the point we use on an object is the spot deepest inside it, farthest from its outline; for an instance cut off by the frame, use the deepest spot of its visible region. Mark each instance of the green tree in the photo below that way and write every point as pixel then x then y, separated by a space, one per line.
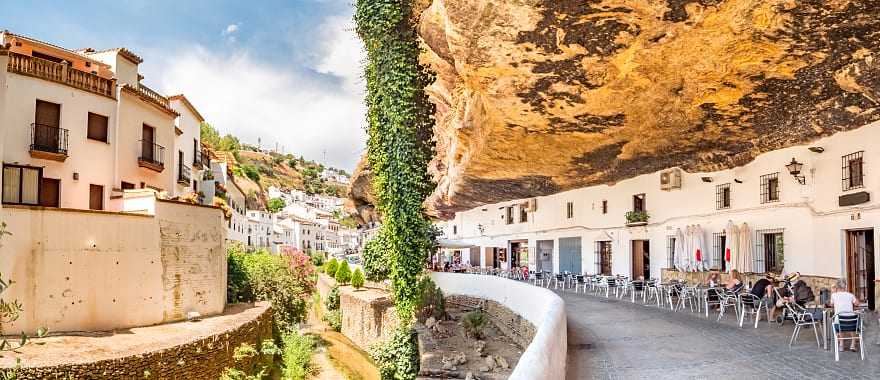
pixel 343 273
pixel 330 267
pixel 357 279
pixel 275 205
pixel 229 143
pixel 209 135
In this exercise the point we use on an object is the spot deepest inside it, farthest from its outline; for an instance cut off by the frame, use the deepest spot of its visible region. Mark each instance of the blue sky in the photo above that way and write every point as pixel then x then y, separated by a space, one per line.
pixel 282 71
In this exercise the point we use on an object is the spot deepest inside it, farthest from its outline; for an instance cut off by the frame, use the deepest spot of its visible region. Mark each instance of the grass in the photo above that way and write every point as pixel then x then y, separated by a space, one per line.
pixel 297 356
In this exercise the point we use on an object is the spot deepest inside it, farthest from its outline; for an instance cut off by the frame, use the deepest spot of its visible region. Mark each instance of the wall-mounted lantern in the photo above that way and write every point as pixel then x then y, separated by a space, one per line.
pixel 794 168
pixel 482 229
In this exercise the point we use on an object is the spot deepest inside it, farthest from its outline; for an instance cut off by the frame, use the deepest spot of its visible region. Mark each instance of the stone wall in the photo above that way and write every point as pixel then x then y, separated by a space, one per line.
pixel 201 359
pixel 509 323
pixel 368 315
pixel 815 282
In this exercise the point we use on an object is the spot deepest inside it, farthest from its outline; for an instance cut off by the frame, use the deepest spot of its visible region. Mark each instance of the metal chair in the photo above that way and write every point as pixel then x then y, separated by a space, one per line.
pixel 580 282
pixel 711 297
pixel 559 278
pixel 752 305
pixel 729 298
pixel 848 322
pixel 802 317
pixel 538 279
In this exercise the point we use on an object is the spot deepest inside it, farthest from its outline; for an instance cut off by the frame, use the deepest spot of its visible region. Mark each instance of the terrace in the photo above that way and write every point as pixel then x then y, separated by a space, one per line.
pixel 61 73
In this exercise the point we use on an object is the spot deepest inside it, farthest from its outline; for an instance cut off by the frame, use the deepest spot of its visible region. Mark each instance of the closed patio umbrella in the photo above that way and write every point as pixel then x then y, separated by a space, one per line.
pixel 731 254
pixel 746 256
pixel 689 248
pixel 679 250
pixel 700 255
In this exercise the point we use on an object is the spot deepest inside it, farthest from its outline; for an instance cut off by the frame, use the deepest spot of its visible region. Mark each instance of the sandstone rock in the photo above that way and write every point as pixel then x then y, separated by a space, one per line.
pixel 484 368
pixel 469 376
pixel 536 97
pixel 479 346
pixel 489 362
pixel 430 322
pixel 502 362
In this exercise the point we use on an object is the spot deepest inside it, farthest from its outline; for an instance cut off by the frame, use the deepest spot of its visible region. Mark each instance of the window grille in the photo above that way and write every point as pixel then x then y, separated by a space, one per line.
pixel 509 215
pixel 853 171
pixel 569 210
pixel 523 214
pixel 719 245
pixel 604 207
pixel 722 196
pixel 670 252
pixel 769 251
pixel 770 188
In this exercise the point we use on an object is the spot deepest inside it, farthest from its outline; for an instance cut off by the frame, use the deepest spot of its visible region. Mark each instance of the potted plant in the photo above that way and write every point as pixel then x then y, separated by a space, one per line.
pixel 636 218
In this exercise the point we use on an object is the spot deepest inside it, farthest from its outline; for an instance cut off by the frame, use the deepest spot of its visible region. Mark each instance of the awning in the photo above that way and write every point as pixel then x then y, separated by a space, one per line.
pixel 445 243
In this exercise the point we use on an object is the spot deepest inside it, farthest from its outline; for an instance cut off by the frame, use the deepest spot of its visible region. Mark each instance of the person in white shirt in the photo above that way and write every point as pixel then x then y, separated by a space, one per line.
pixel 843 302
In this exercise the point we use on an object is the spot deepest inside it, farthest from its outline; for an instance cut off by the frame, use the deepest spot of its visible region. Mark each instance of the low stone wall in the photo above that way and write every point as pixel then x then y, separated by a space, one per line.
pixel 201 359
pixel 815 282
pixel 368 315
pixel 509 323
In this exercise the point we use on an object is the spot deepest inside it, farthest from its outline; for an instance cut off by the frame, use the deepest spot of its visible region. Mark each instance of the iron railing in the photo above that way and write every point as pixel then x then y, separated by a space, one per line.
pixel 152 153
pixel 46 138
pixel 183 174
pixel 197 159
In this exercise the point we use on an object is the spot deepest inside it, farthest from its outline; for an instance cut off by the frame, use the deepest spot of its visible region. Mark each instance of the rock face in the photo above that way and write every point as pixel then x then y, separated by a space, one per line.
pixel 539 96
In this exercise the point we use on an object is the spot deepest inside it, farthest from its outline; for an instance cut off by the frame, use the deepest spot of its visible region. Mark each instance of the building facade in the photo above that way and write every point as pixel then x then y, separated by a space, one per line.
pixel 819 218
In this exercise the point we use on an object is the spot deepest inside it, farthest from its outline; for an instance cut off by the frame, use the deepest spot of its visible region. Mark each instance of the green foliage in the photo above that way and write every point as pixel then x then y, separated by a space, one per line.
pixel 332 302
pixel 251 172
pixel 210 137
pixel 398 359
pixel 432 303
pixel 292 163
pixel 258 369
pixel 334 319
pixel 318 258
pixel 637 217
pixel 357 279
pixel 400 145
pixel 330 267
pixel 343 273
pixel 284 280
pixel 275 205
pixel 296 358
pixel 375 258
pixel 474 323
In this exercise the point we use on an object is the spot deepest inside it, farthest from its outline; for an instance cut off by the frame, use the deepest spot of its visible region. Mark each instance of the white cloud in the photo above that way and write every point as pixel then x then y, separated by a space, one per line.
pixel 345 51
pixel 231 28
pixel 251 99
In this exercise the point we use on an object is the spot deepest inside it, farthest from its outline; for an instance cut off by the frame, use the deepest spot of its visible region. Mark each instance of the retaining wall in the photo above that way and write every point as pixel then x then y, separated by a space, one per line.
pixel 545 356
pixel 368 315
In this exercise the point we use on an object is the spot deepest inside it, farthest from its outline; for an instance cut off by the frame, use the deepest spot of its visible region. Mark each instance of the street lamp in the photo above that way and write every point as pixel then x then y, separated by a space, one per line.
pixel 794 168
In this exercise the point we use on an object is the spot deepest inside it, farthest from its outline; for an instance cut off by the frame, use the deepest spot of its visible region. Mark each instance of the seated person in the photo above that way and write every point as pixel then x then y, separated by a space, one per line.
pixel 843 302
pixel 800 292
pixel 713 281
pixel 763 289
pixel 734 284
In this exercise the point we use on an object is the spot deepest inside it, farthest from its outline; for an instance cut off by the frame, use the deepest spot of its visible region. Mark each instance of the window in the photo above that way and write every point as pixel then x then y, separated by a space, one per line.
pixel 96 197
pixel 21 185
pixel 569 210
pixel 603 258
pixel 127 186
pixel 722 196
pixel 455 230
pixel 508 215
pixel 97 128
pixel 639 202
pixel 853 171
pixel 719 248
pixel 604 207
pixel 523 214
pixel 770 251
pixel 670 252
pixel 770 188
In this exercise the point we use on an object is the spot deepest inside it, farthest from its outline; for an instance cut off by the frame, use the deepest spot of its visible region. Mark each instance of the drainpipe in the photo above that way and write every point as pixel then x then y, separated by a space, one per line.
pixel 117 184
pixel 4 61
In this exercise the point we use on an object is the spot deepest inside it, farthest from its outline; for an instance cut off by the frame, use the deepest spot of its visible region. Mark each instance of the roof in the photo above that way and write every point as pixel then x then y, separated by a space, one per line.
pixel 79 53
pixel 123 52
pixel 187 103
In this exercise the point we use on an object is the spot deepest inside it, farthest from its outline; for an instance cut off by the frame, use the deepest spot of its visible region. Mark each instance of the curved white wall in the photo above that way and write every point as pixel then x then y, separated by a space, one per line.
pixel 545 357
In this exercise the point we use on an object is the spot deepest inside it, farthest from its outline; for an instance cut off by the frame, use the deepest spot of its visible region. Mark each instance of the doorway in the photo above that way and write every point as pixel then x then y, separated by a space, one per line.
pixel 641 259
pixel 860 271
pixel 570 255
pixel 519 253
pixel 544 252
pixel 50 189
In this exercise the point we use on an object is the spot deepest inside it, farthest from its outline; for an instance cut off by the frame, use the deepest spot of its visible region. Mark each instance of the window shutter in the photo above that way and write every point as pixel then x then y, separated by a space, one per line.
pixel 97 127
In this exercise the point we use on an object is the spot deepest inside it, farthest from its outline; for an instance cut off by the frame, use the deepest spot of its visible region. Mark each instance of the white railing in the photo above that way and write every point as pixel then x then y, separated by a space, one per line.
pixel 545 356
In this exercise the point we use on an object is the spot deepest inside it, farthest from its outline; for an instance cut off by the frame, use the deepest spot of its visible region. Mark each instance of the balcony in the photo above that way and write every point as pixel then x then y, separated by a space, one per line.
pixel 183 174
pixel 197 160
pixel 48 142
pixel 61 73
pixel 152 156
pixel 152 97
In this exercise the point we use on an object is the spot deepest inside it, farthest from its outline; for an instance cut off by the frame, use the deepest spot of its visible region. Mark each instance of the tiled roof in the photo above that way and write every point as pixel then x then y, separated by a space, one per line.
pixel 125 53
pixel 189 105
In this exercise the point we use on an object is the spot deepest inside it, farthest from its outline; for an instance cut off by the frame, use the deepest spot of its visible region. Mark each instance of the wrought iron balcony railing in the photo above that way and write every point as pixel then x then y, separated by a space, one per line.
pixel 49 139
pixel 152 155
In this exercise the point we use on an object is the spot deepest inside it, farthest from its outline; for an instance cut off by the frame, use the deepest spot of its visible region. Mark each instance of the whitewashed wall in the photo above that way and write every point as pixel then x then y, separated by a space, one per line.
pixel 545 357
pixel 78 270
pixel 133 114
pixel 814 224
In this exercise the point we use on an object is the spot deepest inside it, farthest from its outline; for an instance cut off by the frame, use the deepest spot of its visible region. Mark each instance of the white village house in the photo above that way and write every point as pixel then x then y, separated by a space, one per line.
pixel 818 216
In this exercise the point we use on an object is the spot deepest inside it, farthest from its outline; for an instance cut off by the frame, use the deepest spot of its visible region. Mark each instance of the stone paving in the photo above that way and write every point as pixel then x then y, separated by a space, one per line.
pixel 616 339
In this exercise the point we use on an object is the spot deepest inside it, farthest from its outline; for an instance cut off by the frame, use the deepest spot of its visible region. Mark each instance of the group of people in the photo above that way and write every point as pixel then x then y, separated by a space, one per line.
pixel 796 291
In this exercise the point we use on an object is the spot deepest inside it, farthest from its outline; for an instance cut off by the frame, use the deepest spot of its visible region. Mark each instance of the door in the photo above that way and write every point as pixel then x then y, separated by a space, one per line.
pixel 860 271
pixel 641 267
pixel 474 256
pixel 96 197
pixel 47 120
pixel 603 258
pixel 570 255
pixel 50 189
pixel 544 251
pixel 148 136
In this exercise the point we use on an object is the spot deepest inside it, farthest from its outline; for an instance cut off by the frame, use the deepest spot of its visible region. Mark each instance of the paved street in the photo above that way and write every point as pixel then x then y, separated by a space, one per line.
pixel 613 339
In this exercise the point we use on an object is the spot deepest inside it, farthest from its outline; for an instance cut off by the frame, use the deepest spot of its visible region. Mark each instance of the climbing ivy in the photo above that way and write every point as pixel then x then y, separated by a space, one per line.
pixel 400 145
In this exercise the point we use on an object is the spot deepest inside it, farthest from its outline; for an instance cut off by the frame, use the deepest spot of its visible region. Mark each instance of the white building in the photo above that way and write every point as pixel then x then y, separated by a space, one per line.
pixel 260 227
pixel 227 189
pixel 826 226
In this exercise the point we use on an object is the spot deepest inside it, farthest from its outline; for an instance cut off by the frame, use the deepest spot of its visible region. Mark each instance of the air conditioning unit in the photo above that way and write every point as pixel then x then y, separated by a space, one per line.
pixel 670 179
pixel 532 205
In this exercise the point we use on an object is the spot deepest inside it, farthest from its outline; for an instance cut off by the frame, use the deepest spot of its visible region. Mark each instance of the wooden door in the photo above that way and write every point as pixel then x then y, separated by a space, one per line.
pixel 96 197
pixel 50 190
pixel 860 271
pixel 47 120
pixel 148 136
pixel 638 259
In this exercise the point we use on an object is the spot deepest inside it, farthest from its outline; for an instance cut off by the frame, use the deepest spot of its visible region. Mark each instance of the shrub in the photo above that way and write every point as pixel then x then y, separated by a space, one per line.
pixel 275 205
pixel 332 302
pixel 334 319
pixel 357 279
pixel 431 300
pixel 330 267
pixel 343 273
pixel 287 281
pixel 258 369
pixel 297 356
pixel 474 323
pixel 375 259
pixel 399 357
pixel 318 258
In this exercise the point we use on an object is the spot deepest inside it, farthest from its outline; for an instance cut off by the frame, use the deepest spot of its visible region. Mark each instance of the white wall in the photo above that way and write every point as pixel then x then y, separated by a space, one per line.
pixel 810 216
pixel 77 270
pixel 133 114
pixel 189 124
pixel 545 357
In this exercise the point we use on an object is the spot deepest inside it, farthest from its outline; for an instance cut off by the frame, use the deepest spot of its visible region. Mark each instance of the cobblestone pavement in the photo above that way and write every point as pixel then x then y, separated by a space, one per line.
pixel 616 339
